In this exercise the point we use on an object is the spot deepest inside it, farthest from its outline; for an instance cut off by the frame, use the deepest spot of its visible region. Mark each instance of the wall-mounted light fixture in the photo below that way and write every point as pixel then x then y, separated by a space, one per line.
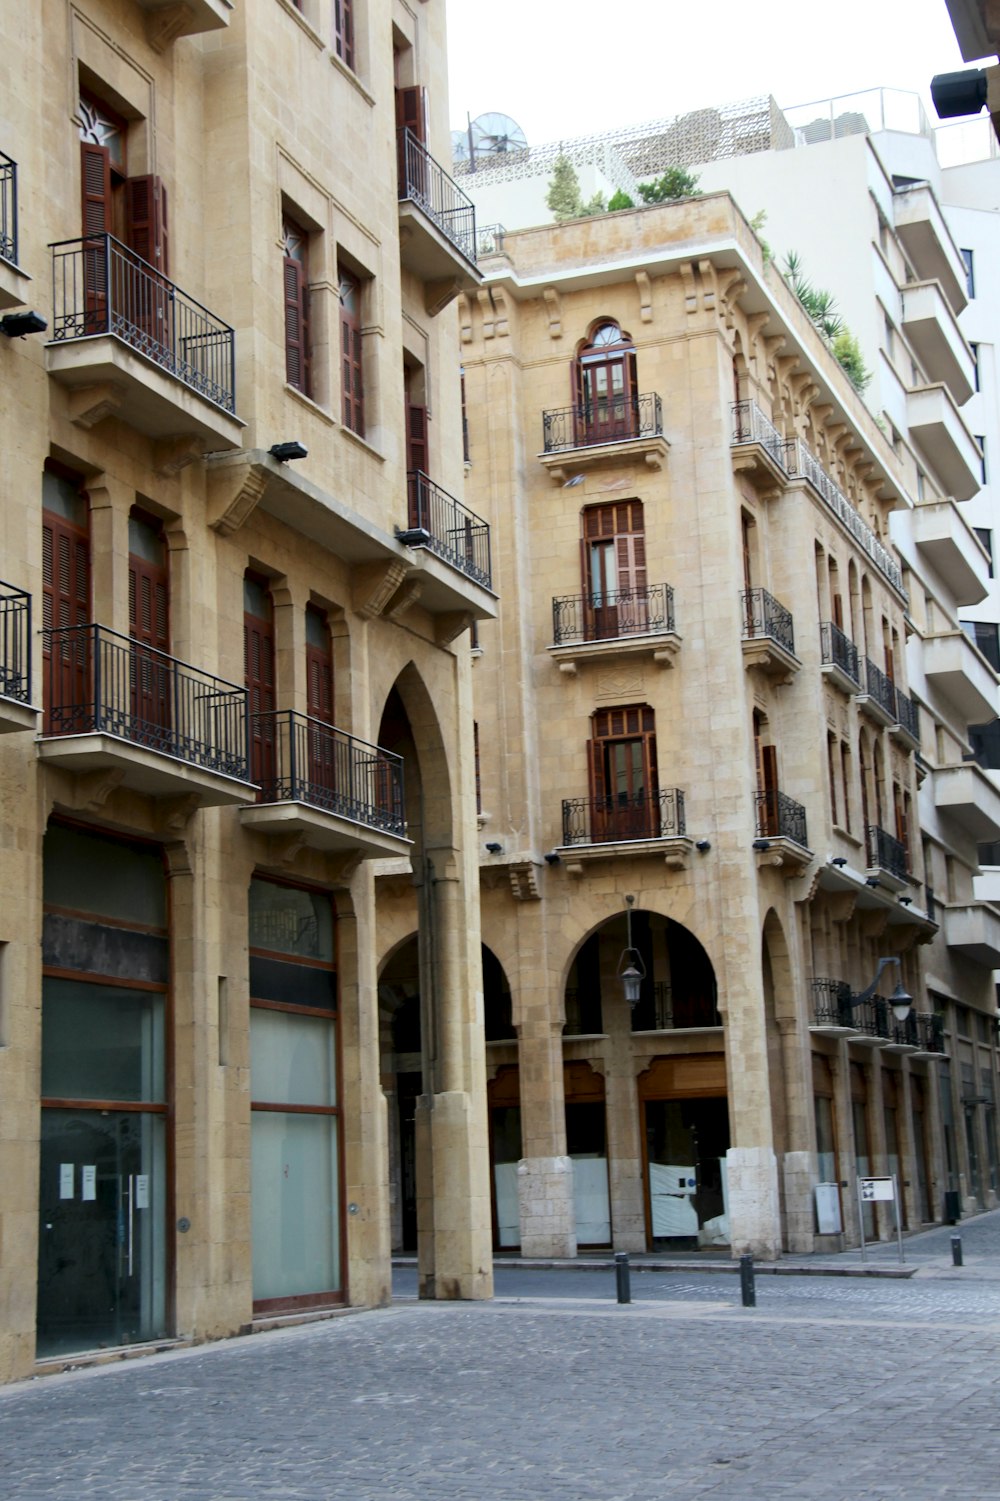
pixel 703 846
pixel 285 451
pixel 553 858
pixel 16 325
pixel 762 844
pixel 838 861
pixel 493 848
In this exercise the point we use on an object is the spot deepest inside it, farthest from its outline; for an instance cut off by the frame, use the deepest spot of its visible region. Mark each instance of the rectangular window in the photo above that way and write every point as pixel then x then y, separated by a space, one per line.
pixel 295 272
pixel 975 364
pixel 970 273
pixel 351 367
pixel 985 634
pixel 343 30
pixel 985 535
pixel 982 463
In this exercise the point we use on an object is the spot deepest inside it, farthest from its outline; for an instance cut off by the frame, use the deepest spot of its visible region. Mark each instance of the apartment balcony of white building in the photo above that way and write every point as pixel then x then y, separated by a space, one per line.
pixel 841 661
pixel 768 636
pixel 127 342
pixel 933 331
pixel 758 449
pixel 927 240
pixel 876 696
pixel 166 20
pixel 158 725
pixel 330 789
pixel 952 548
pixel 606 430
pixel 966 794
pixel 939 431
pixel 16 709
pixel 599 627
pixel 954 667
pixel 14 282
pixel 972 929
pixel 780 836
pixel 437 225
pixel 625 825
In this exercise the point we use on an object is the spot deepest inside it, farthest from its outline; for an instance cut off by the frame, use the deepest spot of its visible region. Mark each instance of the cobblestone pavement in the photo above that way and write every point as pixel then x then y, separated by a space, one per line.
pixel 574 1399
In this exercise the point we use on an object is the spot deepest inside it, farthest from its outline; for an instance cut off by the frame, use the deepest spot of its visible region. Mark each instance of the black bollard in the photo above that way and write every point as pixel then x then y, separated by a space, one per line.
pixel 747 1288
pixel 622 1277
pixel 956 1251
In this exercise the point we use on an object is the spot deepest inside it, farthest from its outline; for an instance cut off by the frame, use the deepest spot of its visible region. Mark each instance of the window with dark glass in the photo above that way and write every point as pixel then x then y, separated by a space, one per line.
pixel 623 779
pixel 351 367
pixel 295 272
pixel 985 634
pixel 970 272
pixel 343 30
pixel 985 535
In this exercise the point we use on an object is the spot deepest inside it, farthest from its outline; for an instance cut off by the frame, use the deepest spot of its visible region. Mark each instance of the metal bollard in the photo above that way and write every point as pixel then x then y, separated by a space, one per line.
pixel 747 1288
pixel 956 1251
pixel 623 1277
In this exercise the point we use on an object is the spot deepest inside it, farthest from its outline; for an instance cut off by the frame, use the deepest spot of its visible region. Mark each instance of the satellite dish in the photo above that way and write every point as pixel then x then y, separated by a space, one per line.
pixel 496 135
pixel 460 145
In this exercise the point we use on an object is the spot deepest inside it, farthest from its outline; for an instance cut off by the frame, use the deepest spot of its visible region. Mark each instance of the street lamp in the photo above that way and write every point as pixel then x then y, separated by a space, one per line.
pixel 900 1000
pixel 631 970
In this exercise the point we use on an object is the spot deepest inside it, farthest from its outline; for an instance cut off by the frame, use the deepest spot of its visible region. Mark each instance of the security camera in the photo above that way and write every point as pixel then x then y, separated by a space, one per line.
pixel 552 858
pixel 494 849
pixel 704 845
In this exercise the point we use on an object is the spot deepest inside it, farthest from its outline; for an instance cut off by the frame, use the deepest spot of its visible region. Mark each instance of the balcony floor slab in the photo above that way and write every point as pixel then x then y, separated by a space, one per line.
pixel 15 716
pixel 144 770
pixel 323 830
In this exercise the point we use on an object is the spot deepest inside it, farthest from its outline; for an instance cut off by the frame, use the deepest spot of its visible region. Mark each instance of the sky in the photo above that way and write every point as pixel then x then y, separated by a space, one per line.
pixel 564 70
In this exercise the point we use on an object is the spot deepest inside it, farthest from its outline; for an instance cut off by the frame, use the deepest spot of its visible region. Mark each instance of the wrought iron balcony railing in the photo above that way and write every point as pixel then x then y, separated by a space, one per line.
pixel 424 181
pixel 780 817
pixel 441 523
pixel 8 209
pixel 100 286
pixel 490 239
pixel 751 426
pixel 608 820
pixel 832 1003
pixel 15 643
pixel 612 419
pixel 583 1012
pixel 303 760
pixel 98 682
pixel 764 616
pixel 606 617
pixel 885 853
pixel 799 460
pixel 666 1008
pixel 839 651
pixel 874 1018
pixel 930 1030
pixel 907 715
pixel 878 687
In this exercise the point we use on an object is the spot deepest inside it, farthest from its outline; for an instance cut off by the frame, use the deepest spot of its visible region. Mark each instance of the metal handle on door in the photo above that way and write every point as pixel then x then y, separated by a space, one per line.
pixel 131 1218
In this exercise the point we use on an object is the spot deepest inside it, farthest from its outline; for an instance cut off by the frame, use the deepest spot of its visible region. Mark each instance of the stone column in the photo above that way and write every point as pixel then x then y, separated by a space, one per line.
pixel 799 1165
pixel 544 1173
pixel 754 1216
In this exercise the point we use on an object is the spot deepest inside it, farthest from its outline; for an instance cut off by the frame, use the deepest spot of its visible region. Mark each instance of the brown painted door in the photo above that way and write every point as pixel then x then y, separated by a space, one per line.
pixel 149 628
pixel 615 593
pixel 319 706
pixel 622 762
pixel 65 604
pixel 258 658
pixel 146 294
pixel 411 135
pixel 416 465
pixel 95 177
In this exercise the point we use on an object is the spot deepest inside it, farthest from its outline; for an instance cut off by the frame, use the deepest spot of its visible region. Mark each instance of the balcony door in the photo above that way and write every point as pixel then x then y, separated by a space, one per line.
pixel 319 707
pixel 258 661
pixel 623 780
pixel 416 454
pixel 149 628
pixel 65 602
pixel 605 387
pixel 614 570
pixel 767 780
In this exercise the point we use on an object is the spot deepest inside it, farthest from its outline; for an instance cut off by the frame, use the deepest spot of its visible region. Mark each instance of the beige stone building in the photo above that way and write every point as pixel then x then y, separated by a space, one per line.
pixel 699 754
pixel 234 668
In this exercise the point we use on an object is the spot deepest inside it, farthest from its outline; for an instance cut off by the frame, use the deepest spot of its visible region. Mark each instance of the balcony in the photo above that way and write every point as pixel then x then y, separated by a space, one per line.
pixel 801 463
pixel 633 622
pixel 437 225
pixel 613 429
pixel 603 827
pixel 672 1008
pixel 16 711
pixel 955 668
pixel 952 548
pixel 966 794
pixel 840 658
pixel 887 861
pixel 877 696
pixel 768 637
pixel 930 1035
pixel 446 528
pixel 166 20
pixel 335 791
pixel 758 447
pixel 128 343
pixel 907 726
pixel 939 431
pixel 928 242
pixel 832 1014
pixel 930 326
pixel 974 931
pixel 13 281
pixel 780 831
pixel 170 730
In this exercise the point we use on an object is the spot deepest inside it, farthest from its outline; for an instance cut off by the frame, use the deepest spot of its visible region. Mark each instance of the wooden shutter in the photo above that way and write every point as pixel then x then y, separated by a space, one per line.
pixel 411 111
pixel 149 628
pixel 297 371
pixel 319 682
pixel 769 787
pixel 95 175
pixel 65 603
pixel 350 353
pixel 258 659
pixel 146 220
pixel 416 436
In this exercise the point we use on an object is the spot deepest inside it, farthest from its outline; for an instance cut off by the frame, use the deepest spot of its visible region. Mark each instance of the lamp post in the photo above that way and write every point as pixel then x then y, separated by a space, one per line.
pixel 900 1001
pixel 631 970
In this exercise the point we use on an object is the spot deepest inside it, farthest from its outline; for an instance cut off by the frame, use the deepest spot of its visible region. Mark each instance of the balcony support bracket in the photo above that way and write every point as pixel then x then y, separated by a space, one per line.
pixel 173 813
pixel 235 491
pixel 438 294
pixel 171 455
pixel 448 627
pixel 89 405
pixel 166 24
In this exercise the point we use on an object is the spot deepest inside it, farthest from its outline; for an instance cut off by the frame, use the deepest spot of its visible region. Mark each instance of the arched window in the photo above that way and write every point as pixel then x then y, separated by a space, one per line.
pixel 605 387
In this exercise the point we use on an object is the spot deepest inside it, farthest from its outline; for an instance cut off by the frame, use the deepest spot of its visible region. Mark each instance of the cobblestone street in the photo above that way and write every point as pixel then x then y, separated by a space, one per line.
pixel 831 1389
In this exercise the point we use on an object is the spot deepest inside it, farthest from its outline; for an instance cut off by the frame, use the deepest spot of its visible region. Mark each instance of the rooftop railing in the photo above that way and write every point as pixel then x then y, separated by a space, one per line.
pixel 610 820
pixel 8 209
pixel 885 853
pixel 779 816
pixel 764 616
pixel 613 614
pixel 100 286
pixel 15 643
pixel 442 524
pixel 838 650
pixel 98 682
pixel 303 760
pixel 425 182
pixel 615 419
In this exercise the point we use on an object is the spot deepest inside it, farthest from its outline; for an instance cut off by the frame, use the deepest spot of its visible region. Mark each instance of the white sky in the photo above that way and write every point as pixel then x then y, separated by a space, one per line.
pixel 580 68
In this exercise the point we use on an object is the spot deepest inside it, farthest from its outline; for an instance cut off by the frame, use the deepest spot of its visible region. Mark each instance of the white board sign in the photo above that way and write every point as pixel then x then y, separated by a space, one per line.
pixel 877 1190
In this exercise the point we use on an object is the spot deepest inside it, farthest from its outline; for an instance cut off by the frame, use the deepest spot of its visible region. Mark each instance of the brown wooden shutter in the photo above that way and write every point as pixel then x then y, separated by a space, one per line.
pixel 319 684
pixel 95 177
pixel 769 777
pixel 297 371
pixel 149 627
pixel 146 220
pixel 411 111
pixel 416 436
pixel 65 603
pixel 258 660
